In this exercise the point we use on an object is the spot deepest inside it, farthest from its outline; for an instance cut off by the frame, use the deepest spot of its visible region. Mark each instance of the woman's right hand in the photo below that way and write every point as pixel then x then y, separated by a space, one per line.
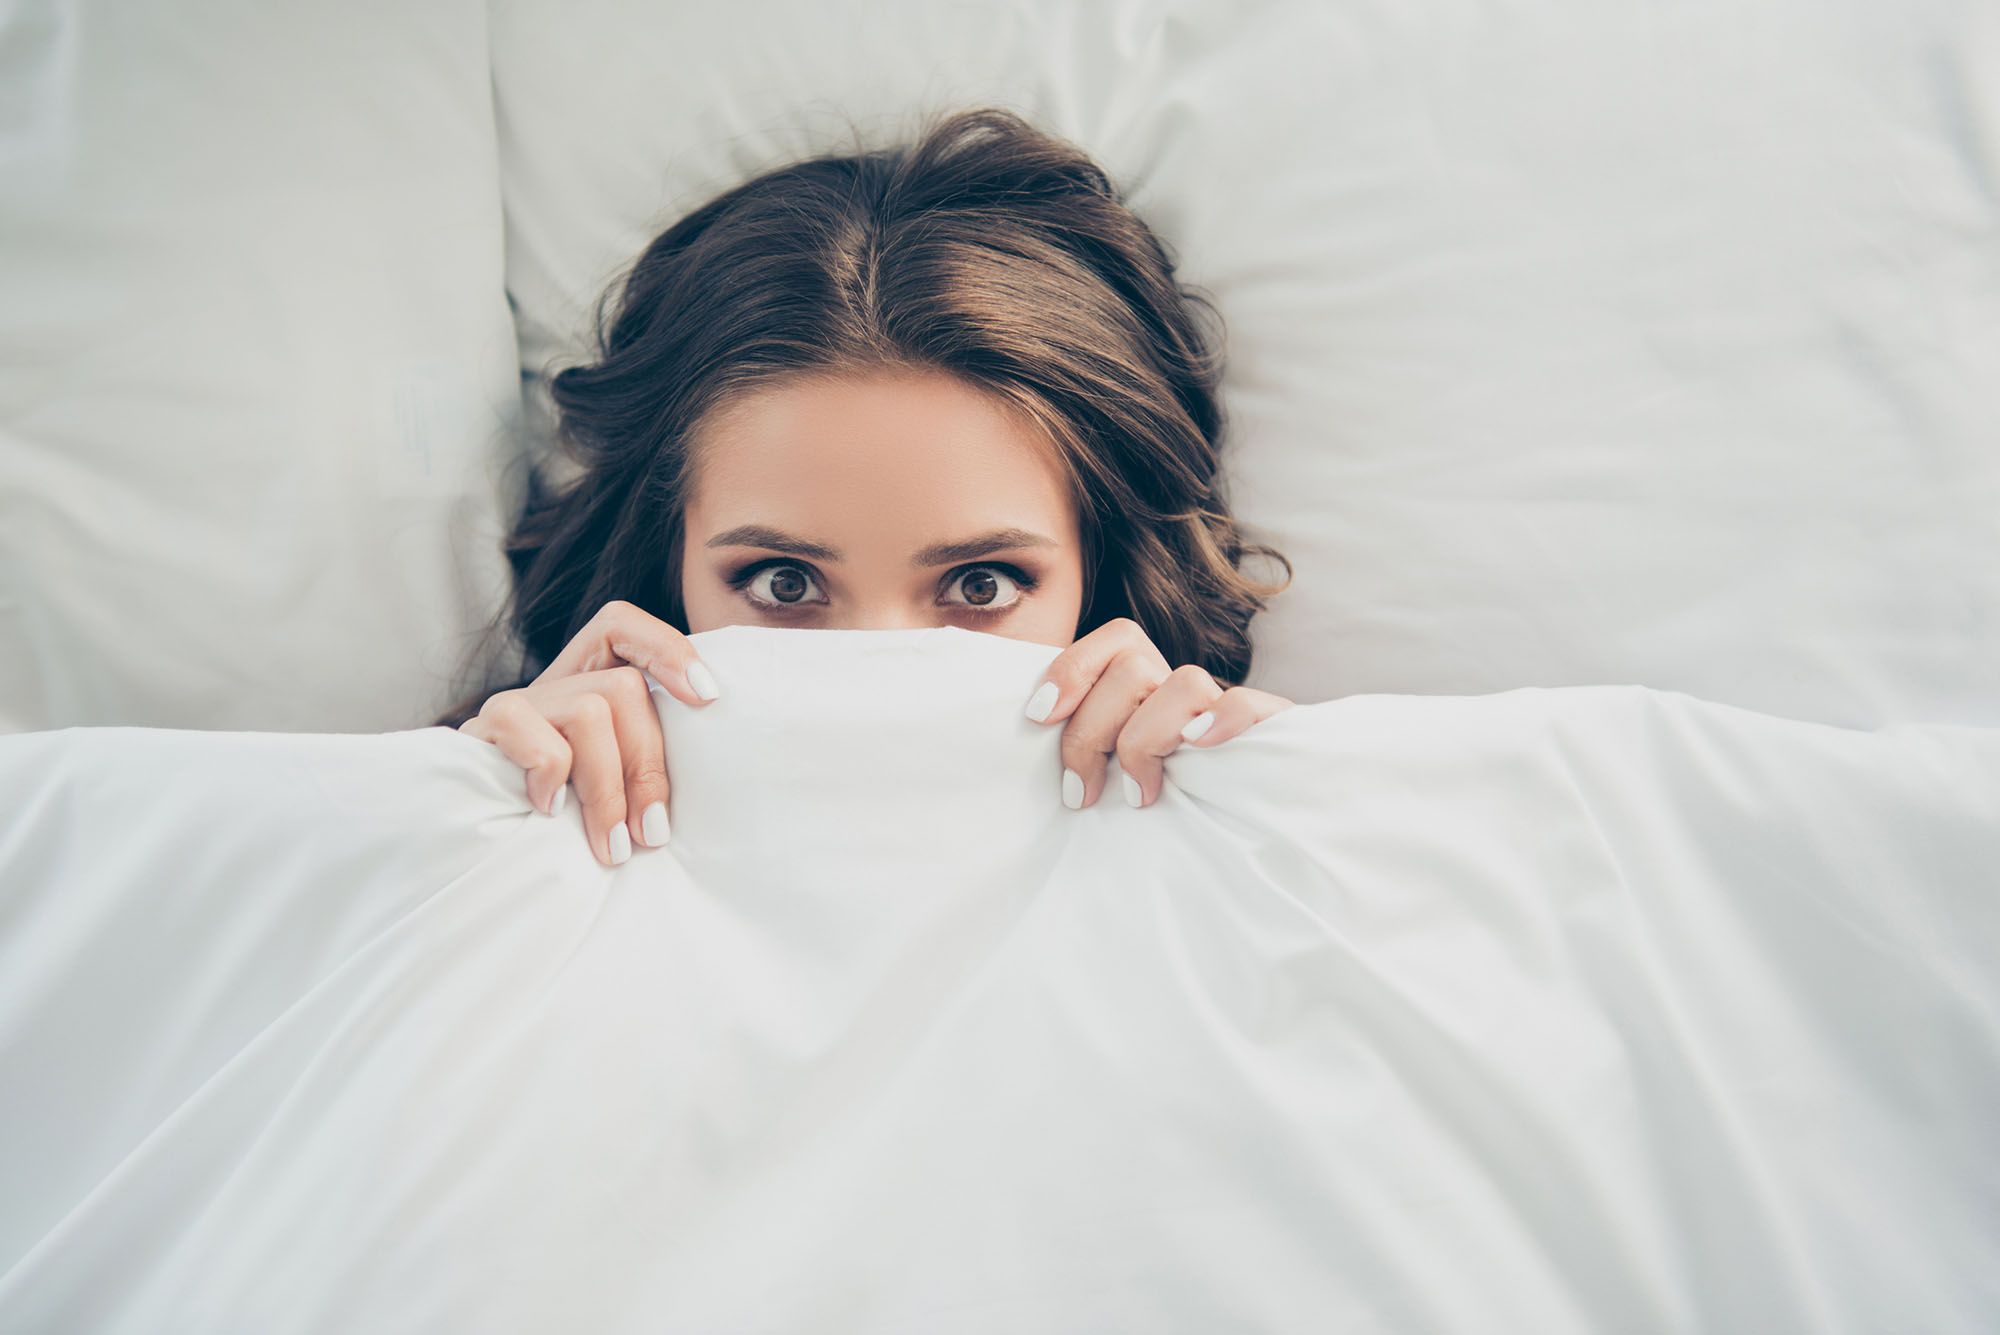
pixel 589 720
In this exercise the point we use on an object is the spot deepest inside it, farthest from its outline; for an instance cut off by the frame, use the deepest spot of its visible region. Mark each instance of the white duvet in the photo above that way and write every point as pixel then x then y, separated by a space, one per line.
pixel 1582 1009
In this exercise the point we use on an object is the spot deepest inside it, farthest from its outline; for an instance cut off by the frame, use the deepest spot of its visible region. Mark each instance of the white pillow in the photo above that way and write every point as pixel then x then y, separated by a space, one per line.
pixel 1570 344
pixel 256 363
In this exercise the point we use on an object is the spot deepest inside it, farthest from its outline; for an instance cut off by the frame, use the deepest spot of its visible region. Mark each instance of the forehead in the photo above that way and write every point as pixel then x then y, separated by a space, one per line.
pixel 894 444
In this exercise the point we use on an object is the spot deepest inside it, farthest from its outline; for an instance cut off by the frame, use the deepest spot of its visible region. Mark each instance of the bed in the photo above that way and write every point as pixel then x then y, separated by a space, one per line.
pixel 1607 939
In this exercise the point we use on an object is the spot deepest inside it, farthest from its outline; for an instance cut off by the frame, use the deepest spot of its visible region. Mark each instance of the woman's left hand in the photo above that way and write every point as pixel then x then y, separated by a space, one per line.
pixel 1119 696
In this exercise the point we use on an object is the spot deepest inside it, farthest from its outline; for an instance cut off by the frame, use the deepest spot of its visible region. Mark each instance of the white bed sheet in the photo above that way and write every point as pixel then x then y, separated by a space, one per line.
pixel 1576 1009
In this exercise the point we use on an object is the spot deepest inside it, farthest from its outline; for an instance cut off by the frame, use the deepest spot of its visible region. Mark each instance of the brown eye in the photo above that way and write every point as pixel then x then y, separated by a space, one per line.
pixel 779 586
pixel 988 589
pixel 787 585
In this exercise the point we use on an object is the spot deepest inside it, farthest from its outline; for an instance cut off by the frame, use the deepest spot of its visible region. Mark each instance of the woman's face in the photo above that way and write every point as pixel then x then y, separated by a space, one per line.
pixel 895 500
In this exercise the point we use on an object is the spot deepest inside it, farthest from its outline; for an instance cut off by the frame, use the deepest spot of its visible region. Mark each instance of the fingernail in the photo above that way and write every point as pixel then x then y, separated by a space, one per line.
pixel 1043 700
pixel 1199 724
pixel 654 824
pixel 1134 794
pixel 557 802
pixel 621 843
pixel 702 680
pixel 1072 789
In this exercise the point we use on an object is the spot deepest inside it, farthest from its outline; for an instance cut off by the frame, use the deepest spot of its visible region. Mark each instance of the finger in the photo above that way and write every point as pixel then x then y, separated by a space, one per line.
pixel 642 748
pixel 511 722
pixel 1094 724
pixel 1154 729
pixel 1236 709
pixel 621 633
pixel 1075 670
pixel 595 772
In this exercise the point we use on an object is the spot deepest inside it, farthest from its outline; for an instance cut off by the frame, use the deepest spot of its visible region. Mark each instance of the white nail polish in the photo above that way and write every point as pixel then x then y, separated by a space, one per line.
pixel 1198 725
pixel 557 802
pixel 1072 789
pixel 621 843
pixel 1134 794
pixel 1043 700
pixel 702 680
pixel 654 824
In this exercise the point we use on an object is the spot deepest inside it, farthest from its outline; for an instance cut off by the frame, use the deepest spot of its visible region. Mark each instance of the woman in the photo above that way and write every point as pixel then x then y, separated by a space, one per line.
pixel 954 384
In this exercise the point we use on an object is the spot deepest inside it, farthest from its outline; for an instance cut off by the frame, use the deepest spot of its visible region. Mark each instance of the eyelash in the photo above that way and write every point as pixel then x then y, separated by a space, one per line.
pixel 741 578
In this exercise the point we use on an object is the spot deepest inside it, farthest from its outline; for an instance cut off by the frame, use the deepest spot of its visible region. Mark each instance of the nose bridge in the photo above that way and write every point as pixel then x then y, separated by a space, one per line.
pixel 887 614
pixel 885 605
pixel 877 591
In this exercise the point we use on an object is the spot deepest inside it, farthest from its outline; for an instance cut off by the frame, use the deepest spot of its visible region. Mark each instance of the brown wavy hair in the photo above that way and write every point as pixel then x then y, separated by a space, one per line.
pixel 988 249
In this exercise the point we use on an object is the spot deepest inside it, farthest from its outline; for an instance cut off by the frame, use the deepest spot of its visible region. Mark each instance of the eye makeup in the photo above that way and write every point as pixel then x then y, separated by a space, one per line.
pixel 740 579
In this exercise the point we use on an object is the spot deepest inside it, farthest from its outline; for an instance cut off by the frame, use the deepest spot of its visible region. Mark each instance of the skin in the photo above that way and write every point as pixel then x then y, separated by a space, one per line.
pixel 869 471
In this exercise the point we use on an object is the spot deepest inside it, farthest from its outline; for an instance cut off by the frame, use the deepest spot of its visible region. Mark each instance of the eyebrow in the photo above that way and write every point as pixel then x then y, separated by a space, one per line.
pixel 937 554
